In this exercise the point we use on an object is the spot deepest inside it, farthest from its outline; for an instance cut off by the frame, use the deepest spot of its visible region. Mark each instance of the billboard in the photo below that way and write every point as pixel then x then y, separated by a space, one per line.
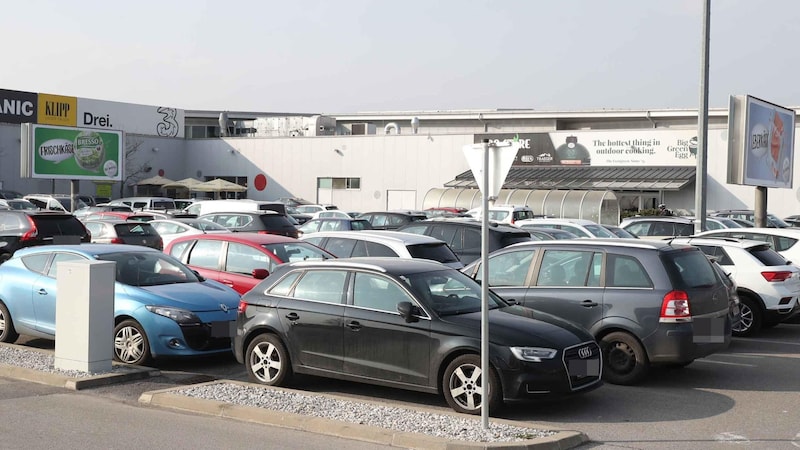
pixel 760 143
pixel 71 153
pixel 603 148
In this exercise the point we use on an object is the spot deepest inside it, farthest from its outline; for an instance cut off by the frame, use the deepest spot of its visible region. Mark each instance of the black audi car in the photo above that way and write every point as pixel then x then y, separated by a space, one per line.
pixel 411 324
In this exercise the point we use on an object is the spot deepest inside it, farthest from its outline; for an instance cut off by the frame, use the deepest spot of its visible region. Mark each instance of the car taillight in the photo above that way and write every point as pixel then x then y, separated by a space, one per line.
pixel 675 307
pixel 160 244
pixel 242 306
pixel 32 233
pixel 782 275
pixel 117 240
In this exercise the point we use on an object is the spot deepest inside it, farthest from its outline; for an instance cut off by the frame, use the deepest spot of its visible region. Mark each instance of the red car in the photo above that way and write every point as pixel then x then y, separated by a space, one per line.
pixel 241 260
pixel 121 215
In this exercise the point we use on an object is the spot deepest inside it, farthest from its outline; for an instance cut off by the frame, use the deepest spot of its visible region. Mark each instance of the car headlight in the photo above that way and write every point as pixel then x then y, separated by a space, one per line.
pixel 533 354
pixel 181 316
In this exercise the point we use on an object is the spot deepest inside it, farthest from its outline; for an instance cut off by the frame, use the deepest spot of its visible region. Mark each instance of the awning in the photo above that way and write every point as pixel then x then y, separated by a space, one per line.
pixel 647 178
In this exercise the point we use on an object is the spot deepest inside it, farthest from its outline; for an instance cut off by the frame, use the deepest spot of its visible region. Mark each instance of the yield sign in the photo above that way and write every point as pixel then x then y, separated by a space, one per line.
pixel 501 156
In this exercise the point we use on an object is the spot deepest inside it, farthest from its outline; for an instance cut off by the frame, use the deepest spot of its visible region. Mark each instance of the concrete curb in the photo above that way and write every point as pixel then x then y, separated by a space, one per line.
pixel 168 398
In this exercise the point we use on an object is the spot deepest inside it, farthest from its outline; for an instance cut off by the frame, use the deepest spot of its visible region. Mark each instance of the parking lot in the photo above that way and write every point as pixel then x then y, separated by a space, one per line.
pixel 744 397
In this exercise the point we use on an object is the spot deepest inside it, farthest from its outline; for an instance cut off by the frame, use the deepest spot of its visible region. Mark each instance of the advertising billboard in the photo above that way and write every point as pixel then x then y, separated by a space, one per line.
pixel 58 110
pixel 71 153
pixel 760 143
pixel 603 148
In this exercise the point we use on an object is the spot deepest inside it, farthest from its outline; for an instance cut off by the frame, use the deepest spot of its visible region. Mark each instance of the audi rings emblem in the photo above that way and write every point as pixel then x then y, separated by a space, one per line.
pixel 584 352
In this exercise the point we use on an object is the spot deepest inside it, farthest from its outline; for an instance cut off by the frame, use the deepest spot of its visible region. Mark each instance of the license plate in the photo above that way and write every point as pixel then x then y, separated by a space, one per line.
pixel 222 329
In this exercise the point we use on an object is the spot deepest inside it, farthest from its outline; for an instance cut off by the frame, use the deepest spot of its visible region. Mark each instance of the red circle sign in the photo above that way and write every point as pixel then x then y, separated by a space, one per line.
pixel 260 182
pixel 161 172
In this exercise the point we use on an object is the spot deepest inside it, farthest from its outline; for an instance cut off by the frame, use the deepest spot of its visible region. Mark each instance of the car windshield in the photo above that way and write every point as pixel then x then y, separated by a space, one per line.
pixel 438 251
pixel 599 231
pixel 205 225
pixel 449 292
pixel 297 251
pixel 144 269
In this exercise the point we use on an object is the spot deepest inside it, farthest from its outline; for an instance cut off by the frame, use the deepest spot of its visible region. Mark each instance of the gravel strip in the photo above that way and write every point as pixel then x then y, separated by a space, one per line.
pixel 466 428
pixel 44 362
pixel 450 427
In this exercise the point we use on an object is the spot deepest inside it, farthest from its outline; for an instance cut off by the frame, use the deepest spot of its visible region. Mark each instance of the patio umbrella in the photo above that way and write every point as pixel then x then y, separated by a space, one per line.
pixel 218 185
pixel 154 181
pixel 185 183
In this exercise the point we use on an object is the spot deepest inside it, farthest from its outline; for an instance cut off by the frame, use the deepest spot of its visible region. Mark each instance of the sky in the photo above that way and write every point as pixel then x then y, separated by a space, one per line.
pixel 349 56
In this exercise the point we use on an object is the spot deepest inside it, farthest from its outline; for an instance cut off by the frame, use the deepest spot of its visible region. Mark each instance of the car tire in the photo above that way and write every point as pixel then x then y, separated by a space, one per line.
pixel 751 317
pixel 267 361
pixel 7 332
pixel 624 359
pixel 463 391
pixel 131 345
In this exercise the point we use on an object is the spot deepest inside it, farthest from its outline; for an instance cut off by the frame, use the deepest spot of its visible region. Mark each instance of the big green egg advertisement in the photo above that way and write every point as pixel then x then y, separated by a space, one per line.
pixel 76 153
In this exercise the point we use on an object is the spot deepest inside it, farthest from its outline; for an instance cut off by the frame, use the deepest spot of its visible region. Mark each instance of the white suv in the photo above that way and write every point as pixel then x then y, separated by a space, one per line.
pixel 504 213
pixel 580 227
pixel 768 285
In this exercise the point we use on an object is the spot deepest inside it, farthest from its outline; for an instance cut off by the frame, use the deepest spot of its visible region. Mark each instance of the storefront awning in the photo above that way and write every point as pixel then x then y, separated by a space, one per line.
pixel 652 178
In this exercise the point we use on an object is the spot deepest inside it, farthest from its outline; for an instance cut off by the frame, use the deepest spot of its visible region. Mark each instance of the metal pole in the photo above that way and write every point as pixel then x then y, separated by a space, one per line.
pixel 702 128
pixel 485 289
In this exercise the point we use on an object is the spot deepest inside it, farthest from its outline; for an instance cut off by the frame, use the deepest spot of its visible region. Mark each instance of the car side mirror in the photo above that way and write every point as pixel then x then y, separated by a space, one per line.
pixel 260 274
pixel 408 311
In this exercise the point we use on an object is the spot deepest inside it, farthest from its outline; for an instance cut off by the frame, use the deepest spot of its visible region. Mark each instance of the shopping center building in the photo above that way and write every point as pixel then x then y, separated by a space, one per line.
pixel 590 164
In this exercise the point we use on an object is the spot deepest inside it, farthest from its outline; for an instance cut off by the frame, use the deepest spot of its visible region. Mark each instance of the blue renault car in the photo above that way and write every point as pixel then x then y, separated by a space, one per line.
pixel 161 307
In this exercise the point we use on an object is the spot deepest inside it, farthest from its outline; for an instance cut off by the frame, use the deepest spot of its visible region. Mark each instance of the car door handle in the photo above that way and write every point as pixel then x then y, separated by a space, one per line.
pixel 354 325
pixel 589 304
pixel 42 291
pixel 228 283
pixel 293 317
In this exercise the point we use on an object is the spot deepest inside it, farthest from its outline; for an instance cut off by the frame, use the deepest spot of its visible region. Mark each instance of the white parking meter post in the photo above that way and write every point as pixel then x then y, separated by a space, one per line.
pixel 497 157
pixel 85 316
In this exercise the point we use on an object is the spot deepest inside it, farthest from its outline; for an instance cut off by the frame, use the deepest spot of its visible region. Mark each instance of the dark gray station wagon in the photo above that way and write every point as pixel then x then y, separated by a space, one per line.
pixel 646 302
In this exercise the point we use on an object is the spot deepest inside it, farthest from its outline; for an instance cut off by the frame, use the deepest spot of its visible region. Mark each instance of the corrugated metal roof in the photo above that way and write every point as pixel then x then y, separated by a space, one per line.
pixel 647 178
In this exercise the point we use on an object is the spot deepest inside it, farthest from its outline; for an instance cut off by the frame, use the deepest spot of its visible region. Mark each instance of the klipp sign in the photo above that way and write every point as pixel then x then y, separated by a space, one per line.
pixel 71 153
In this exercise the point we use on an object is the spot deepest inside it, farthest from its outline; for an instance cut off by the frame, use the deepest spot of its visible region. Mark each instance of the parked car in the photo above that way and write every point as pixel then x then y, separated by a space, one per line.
pixel 269 222
pixel 311 209
pixel 26 228
pixel 333 224
pixel 138 203
pixel 18 203
pixel 446 212
pixel 330 213
pixel 547 234
pixel 88 210
pixel 55 202
pixel 773 221
pixel 579 227
pixel 161 308
pixel 170 229
pixel 510 214
pixel 620 232
pixel 658 227
pixel 409 324
pixel 240 260
pixel 463 235
pixel 348 244
pixel 782 240
pixel 116 231
pixel 138 216
pixel 646 302
pixel 203 207
pixel 768 285
pixel 391 220
pixel 8 194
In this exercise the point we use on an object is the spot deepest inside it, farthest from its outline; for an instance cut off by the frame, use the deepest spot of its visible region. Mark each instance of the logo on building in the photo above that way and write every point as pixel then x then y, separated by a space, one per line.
pixel 17 106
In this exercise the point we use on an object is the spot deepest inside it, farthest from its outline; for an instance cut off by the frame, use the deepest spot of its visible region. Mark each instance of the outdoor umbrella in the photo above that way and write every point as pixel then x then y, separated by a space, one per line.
pixel 186 183
pixel 218 185
pixel 154 181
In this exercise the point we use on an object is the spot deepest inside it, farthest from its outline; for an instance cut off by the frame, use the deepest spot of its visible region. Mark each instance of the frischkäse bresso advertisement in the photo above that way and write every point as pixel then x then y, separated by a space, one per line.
pixel 603 148
pixel 73 153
